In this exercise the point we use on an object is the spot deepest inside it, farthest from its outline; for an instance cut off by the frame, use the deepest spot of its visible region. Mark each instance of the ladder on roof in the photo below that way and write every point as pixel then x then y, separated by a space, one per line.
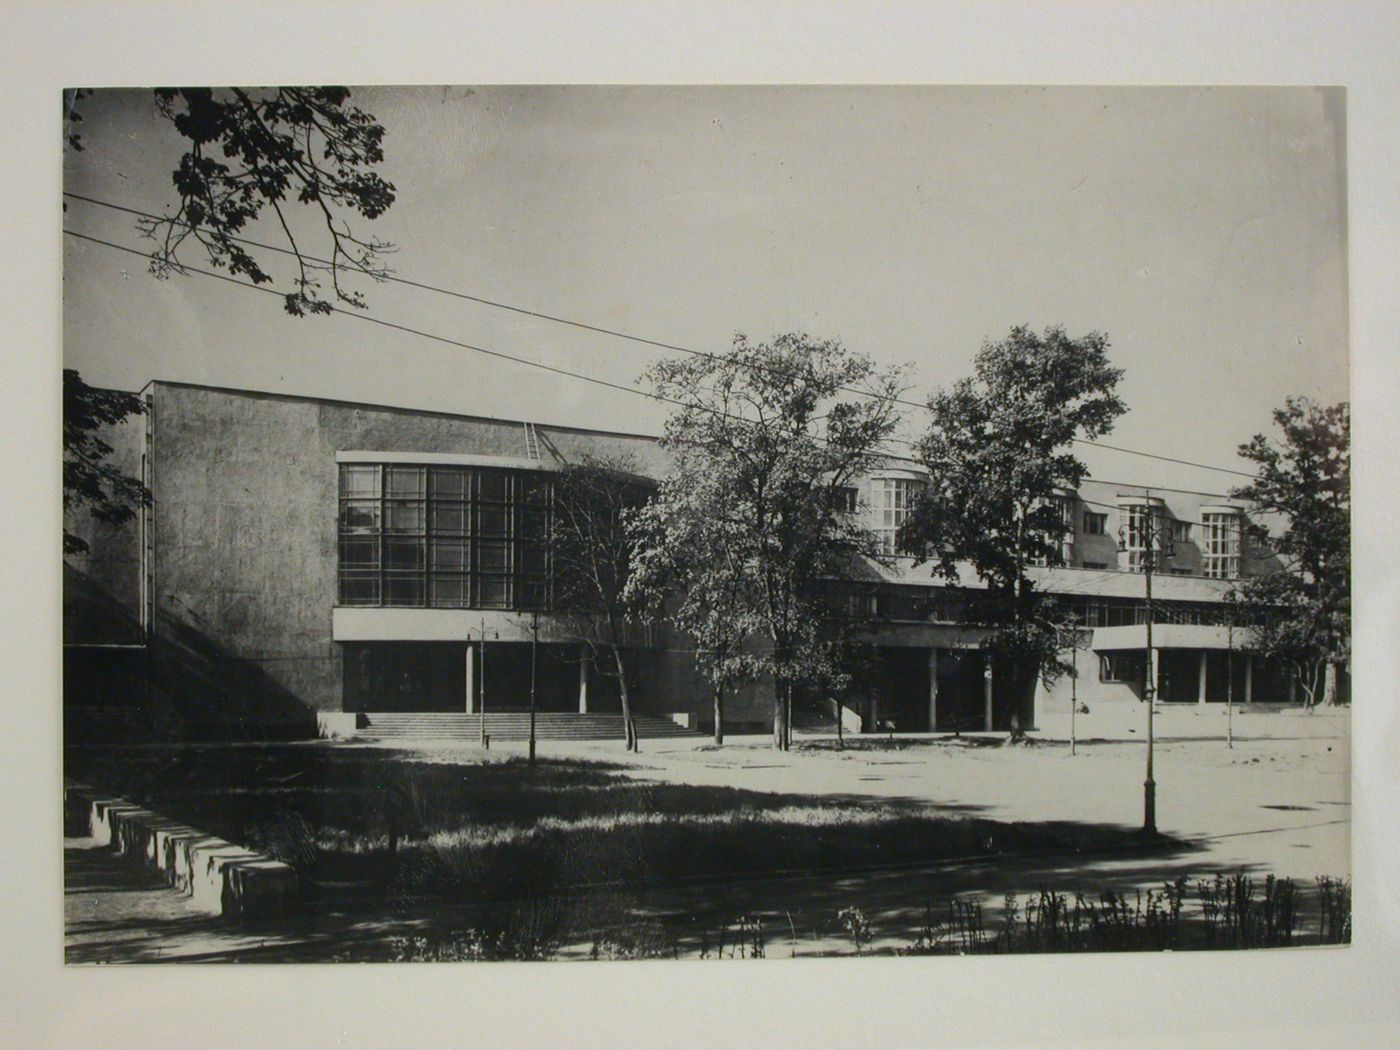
pixel 532 442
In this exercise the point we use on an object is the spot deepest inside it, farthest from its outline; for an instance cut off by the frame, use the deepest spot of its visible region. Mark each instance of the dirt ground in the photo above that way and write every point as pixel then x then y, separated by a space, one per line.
pixel 1275 805
pixel 1267 806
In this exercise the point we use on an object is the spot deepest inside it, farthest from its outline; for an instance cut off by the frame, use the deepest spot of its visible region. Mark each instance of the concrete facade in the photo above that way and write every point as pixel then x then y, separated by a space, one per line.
pixel 237 588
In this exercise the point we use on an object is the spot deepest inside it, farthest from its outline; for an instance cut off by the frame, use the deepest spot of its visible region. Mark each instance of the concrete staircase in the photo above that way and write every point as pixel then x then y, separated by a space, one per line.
pixel 515 725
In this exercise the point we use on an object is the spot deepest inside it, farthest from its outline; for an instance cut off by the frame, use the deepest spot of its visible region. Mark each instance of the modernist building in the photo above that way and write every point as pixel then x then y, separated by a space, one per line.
pixel 308 560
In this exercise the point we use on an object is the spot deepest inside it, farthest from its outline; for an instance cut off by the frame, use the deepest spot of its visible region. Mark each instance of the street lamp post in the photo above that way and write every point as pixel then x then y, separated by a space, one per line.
pixel 1074 684
pixel 1231 598
pixel 534 650
pixel 485 739
pixel 1154 540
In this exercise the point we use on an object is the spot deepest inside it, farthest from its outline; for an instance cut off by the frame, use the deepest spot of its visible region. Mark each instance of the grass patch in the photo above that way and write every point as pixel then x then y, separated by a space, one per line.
pixel 499 830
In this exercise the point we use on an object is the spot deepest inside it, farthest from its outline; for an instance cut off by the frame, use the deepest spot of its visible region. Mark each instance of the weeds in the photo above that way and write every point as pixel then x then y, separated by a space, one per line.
pixel 931 939
pixel 744 940
pixel 1334 910
pixel 1232 914
pixel 1235 918
pixel 857 928
pixel 641 940
pixel 966 922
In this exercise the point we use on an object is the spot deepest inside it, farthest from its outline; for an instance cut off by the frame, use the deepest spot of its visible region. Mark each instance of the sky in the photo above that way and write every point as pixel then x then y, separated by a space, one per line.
pixel 1202 229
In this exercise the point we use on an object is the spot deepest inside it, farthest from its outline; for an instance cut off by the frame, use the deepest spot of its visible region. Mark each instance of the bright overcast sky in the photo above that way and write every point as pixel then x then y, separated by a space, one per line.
pixel 1203 230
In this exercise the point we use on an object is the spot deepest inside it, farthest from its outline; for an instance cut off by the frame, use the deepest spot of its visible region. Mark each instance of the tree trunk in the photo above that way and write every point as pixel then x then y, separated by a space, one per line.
pixel 1022 675
pixel 628 726
pixel 719 713
pixel 781 733
pixel 1329 684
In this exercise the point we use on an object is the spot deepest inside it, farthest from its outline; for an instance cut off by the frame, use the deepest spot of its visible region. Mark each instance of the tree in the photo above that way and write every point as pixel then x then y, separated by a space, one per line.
pixel 256 149
pixel 997 452
pixel 591 551
pixel 1302 610
pixel 760 468
pixel 687 550
pixel 278 145
pixel 89 481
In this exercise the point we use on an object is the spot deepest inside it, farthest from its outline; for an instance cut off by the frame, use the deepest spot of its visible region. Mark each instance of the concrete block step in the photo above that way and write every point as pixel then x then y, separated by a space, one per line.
pixel 220 878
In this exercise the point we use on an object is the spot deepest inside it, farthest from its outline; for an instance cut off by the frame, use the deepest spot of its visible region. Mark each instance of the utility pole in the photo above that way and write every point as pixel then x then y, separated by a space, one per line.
pixel 1074 684
pixel 1230 599
pixel 1155 539
pixel 534 651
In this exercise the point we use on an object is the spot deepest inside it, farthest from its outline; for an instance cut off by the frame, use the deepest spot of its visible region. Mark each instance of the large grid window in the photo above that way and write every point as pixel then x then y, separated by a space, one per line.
pixel 1220 548
pixel 444 537
pixel 895 498
pixel 1140 523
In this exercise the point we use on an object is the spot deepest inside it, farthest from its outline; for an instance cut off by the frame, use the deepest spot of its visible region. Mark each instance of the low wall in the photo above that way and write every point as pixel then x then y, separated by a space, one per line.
pixel 339 725
pixel 218 877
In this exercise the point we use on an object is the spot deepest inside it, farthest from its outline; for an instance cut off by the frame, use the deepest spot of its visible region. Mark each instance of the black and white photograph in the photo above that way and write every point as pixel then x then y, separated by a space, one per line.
pixel 648 525
pixel 728 523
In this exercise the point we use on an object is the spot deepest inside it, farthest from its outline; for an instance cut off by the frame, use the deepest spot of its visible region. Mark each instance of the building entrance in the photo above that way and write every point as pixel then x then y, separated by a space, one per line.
pixel 432 676
pixel 961 693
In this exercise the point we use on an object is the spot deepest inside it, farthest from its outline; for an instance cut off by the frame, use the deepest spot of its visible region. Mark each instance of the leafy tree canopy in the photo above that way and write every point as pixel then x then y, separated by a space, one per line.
pixel 1304 478
pixel 253 151
pixel 998 452
pixel 751 518
pixel 590 546
pixel 89 481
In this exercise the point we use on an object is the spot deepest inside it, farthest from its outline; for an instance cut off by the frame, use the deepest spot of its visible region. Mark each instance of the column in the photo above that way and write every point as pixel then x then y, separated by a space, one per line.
pixel 1201 681
pixel 471 679
pixel 932 690
pixel 583 679
pixel 1249 678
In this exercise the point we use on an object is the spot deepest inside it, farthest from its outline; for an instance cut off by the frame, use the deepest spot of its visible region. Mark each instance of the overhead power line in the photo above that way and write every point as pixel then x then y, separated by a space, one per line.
pixel 583 377
pixel 371 319
pixel 600 330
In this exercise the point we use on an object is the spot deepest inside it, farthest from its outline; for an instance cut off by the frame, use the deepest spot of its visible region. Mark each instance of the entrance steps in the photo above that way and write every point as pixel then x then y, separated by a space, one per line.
pixel 515 725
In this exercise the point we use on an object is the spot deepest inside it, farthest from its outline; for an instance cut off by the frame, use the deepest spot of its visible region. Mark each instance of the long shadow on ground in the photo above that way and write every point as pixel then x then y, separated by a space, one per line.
pixel 390 847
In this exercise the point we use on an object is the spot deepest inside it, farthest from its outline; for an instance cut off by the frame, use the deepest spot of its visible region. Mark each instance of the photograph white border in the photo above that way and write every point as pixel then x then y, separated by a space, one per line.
pixel 1299 998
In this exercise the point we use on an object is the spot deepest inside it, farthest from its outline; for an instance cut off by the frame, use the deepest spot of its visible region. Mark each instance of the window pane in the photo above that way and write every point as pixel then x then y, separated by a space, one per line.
pixel 494 521
pixel 533 559
pixel 404 482
pixel 360 552
pixel 533 523
pixel 404 517
pixel 359 588
pixel 449 519
pixel 359 516
pixel 403 590
pixel 534 594
pixel 403 554
pixel 495 485
pixel 447 483
pixel 534 489
pixel 495 557
pixel 449 591
pixel 449 555
pixel 495 592
pixel 359 481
